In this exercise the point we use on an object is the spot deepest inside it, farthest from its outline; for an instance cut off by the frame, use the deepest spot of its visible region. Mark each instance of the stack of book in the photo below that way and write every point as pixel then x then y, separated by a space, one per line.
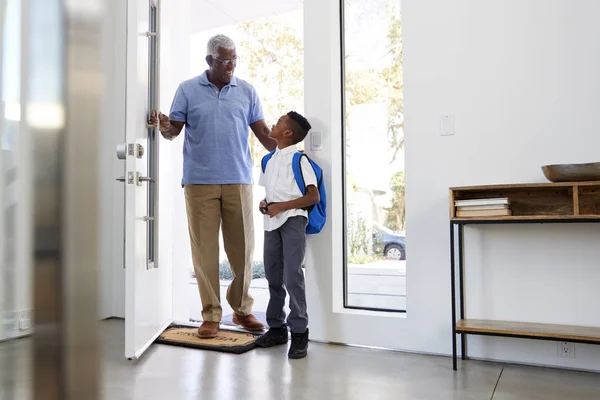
pixel 499 207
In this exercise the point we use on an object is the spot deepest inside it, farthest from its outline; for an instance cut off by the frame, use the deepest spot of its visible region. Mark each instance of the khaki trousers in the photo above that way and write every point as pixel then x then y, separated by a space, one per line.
pixel 230 207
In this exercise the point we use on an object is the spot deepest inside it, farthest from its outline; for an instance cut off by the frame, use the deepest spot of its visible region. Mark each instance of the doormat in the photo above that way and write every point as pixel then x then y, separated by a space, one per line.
pixel 225 342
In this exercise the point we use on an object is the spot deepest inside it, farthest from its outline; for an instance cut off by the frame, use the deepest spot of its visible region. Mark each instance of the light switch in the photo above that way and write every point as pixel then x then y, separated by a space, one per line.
pixel 447 125
pixel 316 140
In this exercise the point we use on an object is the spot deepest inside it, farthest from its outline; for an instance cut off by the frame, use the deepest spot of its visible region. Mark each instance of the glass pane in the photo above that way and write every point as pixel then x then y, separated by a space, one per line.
pixel 375 273
pixel 152 145
pixel 270 51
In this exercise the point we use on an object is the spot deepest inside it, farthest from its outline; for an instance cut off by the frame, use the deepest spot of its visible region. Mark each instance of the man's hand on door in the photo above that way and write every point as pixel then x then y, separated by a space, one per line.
pixel 164 120
pixel 169 129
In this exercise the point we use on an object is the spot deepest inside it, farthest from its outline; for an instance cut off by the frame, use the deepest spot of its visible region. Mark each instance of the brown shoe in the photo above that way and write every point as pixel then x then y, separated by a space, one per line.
pixel 248 322
pixel 208 330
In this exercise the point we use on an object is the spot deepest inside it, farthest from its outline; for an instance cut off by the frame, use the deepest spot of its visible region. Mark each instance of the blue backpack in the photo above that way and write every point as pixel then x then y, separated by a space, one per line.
pixel 317 215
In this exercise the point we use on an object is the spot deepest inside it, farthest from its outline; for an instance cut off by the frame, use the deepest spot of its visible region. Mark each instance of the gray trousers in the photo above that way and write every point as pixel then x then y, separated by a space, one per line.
pixel 283 257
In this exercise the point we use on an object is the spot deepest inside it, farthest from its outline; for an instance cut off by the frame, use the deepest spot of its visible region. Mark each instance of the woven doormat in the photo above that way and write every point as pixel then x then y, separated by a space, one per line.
pixel 226 341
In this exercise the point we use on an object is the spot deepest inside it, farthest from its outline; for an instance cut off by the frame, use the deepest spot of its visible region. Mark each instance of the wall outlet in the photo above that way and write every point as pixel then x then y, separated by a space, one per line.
pixel 566 349
pixel 25 319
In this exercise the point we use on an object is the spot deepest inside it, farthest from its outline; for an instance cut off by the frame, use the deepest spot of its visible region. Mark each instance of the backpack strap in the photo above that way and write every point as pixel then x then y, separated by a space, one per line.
pixel 297 168
pixel 265 160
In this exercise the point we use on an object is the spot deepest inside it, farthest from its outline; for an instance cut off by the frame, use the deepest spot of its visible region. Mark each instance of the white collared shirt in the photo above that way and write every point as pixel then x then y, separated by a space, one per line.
pixel 280 184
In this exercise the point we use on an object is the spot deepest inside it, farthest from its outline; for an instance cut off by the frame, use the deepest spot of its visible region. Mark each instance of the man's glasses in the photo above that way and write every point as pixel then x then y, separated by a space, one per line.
pixel 227 62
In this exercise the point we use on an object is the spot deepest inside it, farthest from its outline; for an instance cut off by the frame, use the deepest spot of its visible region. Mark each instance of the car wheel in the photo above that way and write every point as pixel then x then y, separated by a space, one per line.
pixel 394 252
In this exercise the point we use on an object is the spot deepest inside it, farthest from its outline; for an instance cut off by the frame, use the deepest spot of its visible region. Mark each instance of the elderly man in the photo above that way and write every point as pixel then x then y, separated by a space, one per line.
pixel 217 109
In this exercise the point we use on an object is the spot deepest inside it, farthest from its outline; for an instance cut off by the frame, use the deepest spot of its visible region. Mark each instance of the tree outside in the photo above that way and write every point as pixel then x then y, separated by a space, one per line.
pixel 275 66
pixel 374 76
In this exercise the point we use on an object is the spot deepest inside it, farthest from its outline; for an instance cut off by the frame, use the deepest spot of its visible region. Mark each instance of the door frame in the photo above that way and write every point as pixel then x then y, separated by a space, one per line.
pixel 330 321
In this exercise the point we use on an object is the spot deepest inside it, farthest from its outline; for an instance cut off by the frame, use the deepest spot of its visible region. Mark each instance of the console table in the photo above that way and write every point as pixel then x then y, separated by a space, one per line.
pixel 577 202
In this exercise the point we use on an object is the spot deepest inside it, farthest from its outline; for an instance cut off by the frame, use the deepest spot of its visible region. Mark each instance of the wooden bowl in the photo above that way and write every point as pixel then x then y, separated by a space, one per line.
pixel 572 172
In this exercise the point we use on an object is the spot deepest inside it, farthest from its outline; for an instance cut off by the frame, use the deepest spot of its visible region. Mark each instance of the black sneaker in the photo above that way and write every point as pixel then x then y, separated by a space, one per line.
pixel 299 346
pixel 273 337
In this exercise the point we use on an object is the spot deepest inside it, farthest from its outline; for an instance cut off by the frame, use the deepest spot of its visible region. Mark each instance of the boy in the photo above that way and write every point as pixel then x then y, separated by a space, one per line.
pixel 286 220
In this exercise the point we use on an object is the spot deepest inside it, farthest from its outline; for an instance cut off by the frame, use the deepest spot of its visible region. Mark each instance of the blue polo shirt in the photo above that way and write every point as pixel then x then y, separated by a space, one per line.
pixel 216 149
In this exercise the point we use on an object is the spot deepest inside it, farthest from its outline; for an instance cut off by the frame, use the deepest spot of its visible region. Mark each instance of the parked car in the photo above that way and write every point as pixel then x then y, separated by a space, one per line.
pixel 389 243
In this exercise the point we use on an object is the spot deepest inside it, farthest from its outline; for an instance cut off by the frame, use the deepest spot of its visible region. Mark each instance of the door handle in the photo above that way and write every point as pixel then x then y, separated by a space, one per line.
pixel 131 178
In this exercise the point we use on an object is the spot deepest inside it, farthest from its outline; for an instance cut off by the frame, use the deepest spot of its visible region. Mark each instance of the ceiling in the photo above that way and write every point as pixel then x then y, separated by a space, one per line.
pixel 208 14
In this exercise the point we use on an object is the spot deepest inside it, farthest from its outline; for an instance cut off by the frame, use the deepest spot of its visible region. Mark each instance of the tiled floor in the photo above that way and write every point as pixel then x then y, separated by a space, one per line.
pixel 328 373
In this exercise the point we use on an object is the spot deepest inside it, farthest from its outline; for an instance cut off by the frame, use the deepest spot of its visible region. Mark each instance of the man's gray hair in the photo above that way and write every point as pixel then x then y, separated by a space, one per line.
pixel 219 42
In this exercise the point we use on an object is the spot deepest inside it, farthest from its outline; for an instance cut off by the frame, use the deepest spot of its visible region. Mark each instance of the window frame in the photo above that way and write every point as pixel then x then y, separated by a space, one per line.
pixel 344 171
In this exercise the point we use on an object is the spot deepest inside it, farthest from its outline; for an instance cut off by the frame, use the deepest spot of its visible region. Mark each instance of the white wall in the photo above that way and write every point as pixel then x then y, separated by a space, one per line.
pixel 521 78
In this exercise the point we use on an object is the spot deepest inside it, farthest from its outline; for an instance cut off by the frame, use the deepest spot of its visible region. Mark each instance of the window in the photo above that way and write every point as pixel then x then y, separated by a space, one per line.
pixel 373 154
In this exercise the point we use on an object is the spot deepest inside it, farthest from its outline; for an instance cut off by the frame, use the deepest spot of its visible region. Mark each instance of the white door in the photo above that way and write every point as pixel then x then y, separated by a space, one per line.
pixel 148 291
